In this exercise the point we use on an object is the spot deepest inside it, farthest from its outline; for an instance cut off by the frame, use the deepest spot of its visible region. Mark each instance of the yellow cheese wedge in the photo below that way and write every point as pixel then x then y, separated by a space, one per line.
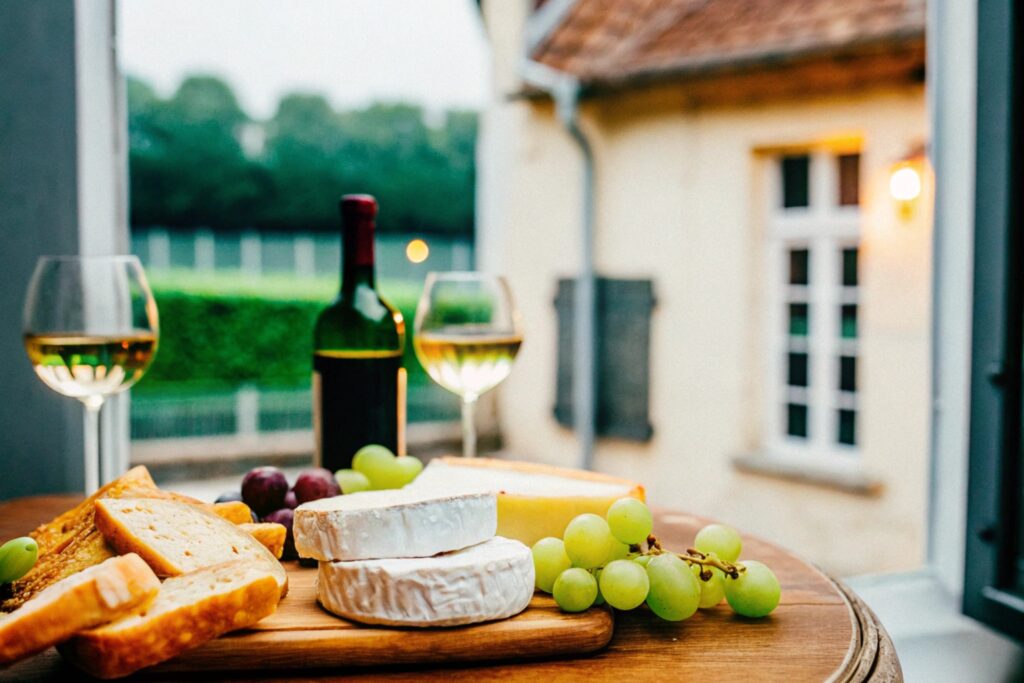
pixel 534 500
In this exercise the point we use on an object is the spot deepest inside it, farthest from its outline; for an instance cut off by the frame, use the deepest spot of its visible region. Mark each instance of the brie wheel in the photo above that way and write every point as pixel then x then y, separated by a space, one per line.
pixel 393 523
pixel 491 580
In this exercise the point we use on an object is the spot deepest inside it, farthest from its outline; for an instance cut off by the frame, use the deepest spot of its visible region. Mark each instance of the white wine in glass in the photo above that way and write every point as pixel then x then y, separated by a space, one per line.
pixel 467 335
pixel 90 331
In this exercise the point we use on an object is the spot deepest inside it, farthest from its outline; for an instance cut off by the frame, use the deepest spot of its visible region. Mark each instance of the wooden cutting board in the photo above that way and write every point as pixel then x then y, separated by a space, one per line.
pixel 301 634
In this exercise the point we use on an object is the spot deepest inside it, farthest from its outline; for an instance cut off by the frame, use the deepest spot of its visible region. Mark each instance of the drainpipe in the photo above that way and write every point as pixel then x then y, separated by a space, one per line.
pixel 565 90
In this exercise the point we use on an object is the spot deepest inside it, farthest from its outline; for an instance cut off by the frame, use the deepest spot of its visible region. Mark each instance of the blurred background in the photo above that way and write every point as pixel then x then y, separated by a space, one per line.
pixel 782 328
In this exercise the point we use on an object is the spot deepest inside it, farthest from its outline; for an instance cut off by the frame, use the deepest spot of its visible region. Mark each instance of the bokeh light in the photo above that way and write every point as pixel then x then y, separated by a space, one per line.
pixel 417 251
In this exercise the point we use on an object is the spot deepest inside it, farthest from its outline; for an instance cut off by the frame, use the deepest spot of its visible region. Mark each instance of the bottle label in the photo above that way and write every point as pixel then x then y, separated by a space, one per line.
pixel 356 396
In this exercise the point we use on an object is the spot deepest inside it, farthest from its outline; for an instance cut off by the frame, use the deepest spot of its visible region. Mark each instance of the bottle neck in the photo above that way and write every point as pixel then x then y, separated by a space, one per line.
pixel 357 264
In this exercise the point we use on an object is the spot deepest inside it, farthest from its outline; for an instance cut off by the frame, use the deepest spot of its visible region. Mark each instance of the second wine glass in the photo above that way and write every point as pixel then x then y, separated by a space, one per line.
pixel 467 334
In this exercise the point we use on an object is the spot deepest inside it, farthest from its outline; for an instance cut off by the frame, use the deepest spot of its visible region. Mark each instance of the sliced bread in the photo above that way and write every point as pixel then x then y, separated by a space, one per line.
pixel 394 523
pixel 176 538
pixel 271 535
pixel 89 598
pixel 190 610
pixel 70 543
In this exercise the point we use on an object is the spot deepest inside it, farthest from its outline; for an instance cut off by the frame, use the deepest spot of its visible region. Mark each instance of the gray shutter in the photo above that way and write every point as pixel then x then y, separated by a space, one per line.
pixel 622 352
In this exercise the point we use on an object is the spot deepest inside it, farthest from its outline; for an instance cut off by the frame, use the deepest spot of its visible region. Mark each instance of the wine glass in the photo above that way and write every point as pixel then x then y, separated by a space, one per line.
pixel 90 330
pixel 467 334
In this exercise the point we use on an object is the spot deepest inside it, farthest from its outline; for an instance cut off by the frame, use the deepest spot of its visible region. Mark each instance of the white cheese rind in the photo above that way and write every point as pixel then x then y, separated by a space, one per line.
pixel 492 580
pixel 388 524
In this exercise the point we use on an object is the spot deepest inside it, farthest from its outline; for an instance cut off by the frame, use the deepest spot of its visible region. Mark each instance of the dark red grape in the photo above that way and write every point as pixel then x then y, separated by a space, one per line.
pixel 289 500
pixel 315 484
pixel 228 497
pixel 264 488
pixel 284 516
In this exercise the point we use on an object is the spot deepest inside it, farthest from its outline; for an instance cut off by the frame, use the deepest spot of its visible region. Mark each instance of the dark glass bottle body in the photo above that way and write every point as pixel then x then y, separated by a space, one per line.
pixel 358 379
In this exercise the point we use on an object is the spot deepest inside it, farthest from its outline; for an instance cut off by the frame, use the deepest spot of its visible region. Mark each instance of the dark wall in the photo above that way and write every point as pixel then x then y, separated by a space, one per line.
pixel 40 431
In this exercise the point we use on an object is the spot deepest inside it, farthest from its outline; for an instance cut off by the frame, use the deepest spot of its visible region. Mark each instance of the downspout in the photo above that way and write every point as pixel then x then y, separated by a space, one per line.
pixel 565 90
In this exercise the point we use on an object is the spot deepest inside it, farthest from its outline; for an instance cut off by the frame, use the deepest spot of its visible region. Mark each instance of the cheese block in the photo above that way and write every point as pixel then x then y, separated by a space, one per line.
pixel 491 580
pixel 534 500
pixel 395 523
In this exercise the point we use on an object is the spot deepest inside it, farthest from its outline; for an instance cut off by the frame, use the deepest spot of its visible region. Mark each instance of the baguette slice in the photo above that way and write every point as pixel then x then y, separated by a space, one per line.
pixel 176 538
pixel 89 598
pixel 270 534
pixel 234 511
pixel 190 610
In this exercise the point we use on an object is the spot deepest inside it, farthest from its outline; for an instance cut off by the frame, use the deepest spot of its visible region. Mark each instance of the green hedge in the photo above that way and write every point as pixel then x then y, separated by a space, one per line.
pixel 223 330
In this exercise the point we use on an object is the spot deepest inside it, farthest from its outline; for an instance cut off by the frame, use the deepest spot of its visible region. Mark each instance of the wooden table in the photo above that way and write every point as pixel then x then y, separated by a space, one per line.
pixel 820 631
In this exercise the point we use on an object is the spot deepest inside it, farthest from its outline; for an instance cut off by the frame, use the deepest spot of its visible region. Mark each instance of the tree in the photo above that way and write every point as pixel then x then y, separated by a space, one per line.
pixel 188 167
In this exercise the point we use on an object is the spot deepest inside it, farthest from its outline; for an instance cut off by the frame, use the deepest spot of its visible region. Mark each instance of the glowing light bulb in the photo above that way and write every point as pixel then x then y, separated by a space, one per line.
pixel 905 184
pixel 417 251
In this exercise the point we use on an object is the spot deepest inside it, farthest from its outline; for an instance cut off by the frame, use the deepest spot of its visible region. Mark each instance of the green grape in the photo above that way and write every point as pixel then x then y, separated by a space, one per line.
pixel 384 471
pixel 17 557
pixel 575 590
pixel 549 561
pixel 588 541
pixel 624 584
pixel 620 551
pixel 600 598
pixel 643 560
pixel 720 539
pixel 398 472
pixel 675 591
pixel 368 457
pixel 630 520
pixel 711 591
pixel 352 481
pixel 756 592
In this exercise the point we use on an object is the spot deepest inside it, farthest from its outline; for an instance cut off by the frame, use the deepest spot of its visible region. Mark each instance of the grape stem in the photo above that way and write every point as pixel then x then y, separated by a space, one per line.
pixel 694 556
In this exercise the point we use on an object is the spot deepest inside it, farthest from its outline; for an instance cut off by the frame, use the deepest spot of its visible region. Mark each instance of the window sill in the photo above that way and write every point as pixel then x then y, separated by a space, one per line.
pixel 848 477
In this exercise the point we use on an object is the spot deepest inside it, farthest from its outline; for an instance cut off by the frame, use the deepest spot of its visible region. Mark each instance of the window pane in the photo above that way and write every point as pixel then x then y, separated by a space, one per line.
pixel 848 321
pixel 847 373
pixel 796 420
pixel 796 373
pixel 849 179
pixel 799 320
pixel 847 427
pixel 850 267
pixel 799 266
pixel 796 181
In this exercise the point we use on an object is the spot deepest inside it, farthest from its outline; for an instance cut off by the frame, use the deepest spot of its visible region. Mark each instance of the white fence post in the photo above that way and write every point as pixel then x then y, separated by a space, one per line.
pixel 247 410
pixel 204 249
pixel 305 256
pixel 462 255
pixel 251 248
pixel 159 249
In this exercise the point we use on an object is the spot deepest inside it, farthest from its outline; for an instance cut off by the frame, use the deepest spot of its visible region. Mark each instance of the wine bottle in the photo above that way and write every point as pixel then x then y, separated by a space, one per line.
pixel 358 379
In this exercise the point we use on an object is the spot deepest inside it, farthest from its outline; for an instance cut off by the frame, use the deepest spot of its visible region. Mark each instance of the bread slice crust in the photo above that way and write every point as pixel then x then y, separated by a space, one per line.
pixel 87 599
pixel 228 596
pixel 176 538
pixel 270 534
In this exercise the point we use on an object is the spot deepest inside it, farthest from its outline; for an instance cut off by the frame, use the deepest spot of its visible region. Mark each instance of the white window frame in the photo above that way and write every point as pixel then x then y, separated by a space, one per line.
pixel 825 228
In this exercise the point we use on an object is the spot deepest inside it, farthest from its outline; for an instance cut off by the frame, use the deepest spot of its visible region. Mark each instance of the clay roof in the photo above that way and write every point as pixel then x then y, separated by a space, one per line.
pixel 617 41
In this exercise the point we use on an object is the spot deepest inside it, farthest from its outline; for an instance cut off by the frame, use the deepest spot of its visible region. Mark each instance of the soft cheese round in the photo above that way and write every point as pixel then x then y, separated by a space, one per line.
pixel 491 580
pixel 395 523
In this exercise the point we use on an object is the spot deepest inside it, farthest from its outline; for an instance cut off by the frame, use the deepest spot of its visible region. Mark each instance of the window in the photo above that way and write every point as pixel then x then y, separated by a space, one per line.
pixel 623 357
pixel 993 578
pixel 812 233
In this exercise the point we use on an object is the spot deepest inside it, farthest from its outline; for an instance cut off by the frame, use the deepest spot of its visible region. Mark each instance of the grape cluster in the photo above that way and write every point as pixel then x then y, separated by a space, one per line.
pixel 17 556
pixel 602 560
pixel 375 467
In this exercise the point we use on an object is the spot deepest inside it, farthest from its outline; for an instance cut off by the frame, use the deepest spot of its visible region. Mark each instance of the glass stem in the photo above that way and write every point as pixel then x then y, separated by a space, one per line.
pixel 468 427
pixel 92 444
